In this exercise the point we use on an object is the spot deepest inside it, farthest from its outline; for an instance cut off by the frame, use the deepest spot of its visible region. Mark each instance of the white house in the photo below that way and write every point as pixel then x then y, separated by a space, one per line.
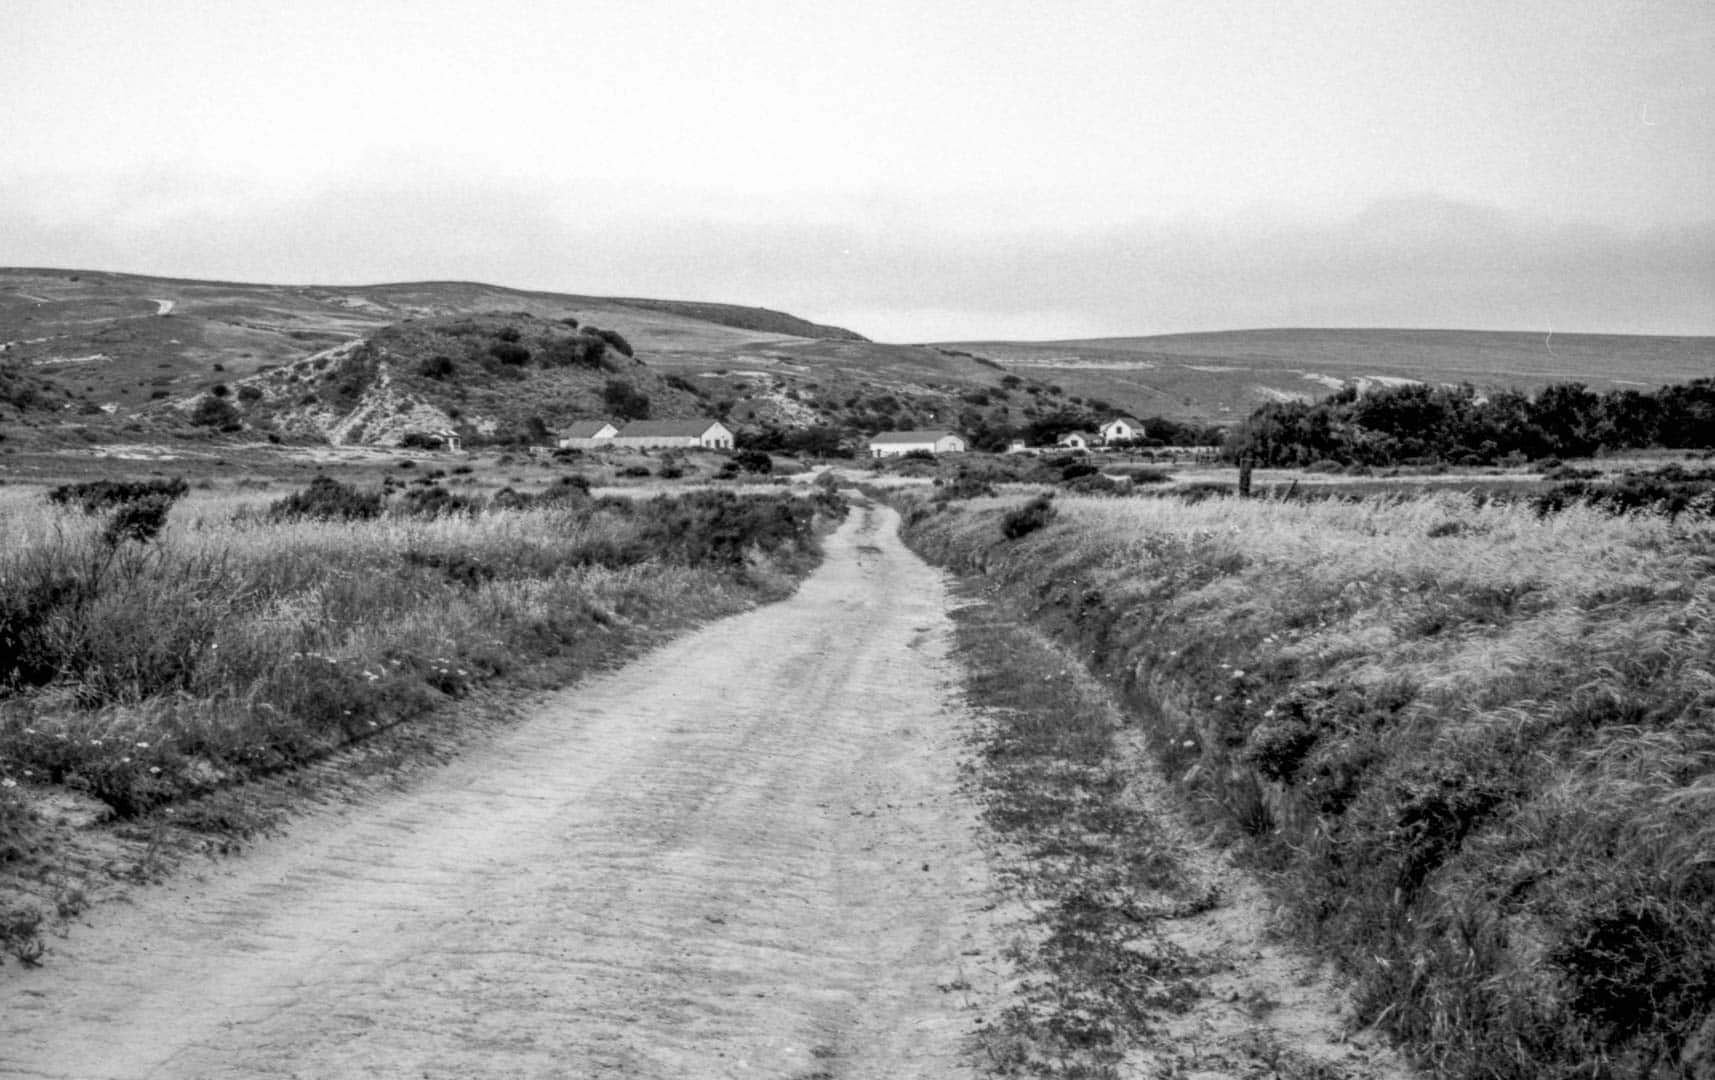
pixel 587 434
pixel 1076 440
pixel 650 434
pixel 1122 429
pixel 894 443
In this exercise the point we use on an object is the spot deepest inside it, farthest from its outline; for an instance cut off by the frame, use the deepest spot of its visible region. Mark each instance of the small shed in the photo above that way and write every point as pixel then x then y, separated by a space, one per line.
pixel 654 434
pixel 587 435
pixel 894 443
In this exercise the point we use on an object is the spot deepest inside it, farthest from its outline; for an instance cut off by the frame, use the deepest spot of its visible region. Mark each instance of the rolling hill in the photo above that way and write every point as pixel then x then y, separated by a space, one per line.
pixel 84 353
pixel 1219 377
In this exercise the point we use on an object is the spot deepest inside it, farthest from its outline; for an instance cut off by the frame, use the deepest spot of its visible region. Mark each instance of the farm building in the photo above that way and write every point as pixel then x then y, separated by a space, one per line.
pixel 436 439
pixel 892 443
pixel 586 434
pixel 646 434
pixel 1122 429
pixel 1076 440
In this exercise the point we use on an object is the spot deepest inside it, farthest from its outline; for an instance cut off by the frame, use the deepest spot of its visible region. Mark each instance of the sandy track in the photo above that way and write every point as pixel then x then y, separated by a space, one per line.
pixel 744 855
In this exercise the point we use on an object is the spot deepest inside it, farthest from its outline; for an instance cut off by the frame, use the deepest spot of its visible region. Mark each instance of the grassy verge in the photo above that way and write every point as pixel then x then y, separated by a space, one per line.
pixel 1090 865
pixel 241 640
pixel 1470 745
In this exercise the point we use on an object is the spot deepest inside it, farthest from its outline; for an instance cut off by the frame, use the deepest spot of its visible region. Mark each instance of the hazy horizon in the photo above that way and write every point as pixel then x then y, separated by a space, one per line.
pixel 915 172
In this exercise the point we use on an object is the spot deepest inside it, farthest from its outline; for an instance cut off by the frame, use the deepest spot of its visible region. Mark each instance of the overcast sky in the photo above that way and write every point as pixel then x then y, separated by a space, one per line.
pixel 921 170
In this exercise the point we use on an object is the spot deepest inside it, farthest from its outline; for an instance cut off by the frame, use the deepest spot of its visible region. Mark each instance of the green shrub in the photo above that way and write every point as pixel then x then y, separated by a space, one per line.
pixel 97 495
pixel 625 400
pixel 435 501
pixel 510 352
pixel 753 461
pixel 613 339
pixel 215 412
pixel 438 368
pixel 140 520
pixel 326 499
pixel 1028 518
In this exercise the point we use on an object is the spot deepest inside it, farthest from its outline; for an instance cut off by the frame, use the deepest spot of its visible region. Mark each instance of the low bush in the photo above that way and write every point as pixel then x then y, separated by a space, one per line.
pixel 216 412
pixel 433 500
pixel 98 495
pixel 326 499
pixel 1033 515
pixel 510 352
pixel 753 461
pixel 437 368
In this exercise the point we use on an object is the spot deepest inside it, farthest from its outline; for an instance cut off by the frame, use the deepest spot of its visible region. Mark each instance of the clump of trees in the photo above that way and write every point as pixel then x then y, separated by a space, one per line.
pixel 625 400
pixel 1423 424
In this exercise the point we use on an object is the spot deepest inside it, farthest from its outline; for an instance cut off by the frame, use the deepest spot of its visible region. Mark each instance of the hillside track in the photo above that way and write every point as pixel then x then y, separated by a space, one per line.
pixel 746 854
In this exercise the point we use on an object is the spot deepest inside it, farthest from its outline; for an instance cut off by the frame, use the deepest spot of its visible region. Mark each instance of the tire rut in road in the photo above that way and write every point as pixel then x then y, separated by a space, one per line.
pixel 745 854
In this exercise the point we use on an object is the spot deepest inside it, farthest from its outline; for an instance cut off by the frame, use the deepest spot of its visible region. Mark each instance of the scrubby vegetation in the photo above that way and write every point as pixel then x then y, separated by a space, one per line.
pixel 1419 423
pixel 245 638
pixel 1468 744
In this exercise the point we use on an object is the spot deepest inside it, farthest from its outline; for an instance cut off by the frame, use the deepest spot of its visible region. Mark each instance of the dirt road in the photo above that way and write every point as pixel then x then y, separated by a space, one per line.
pixel 744 855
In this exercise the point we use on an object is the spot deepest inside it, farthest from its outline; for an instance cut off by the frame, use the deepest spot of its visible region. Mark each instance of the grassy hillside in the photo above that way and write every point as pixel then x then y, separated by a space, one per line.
pixel 116 346
pixel 146 351
pixel 1469 743
pixel 1222 376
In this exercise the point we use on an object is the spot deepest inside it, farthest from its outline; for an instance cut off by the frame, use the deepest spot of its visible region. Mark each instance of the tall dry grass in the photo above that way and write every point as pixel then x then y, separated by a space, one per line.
pixel 233 643
pixel 1474 746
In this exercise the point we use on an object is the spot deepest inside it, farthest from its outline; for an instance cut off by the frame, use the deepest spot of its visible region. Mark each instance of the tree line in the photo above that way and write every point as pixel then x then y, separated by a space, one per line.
pixel 1420 424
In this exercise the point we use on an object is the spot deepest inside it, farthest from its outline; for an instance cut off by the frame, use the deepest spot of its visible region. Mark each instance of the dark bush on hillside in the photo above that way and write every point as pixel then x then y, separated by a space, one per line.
pixel 614 340
pixel 508 333
pixel 437 367
pixel 215 412
pixel 1077 469
pixel 753 461
pixel 434 501
pixel 140 520
pixel 1028 518
pixel 569 321
pixel 575 350
pixel 510 352
pixel 249 394
pixel 220 390
pixel 625 400
pixel 326 499
pixel 97 495
pixel 573 488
